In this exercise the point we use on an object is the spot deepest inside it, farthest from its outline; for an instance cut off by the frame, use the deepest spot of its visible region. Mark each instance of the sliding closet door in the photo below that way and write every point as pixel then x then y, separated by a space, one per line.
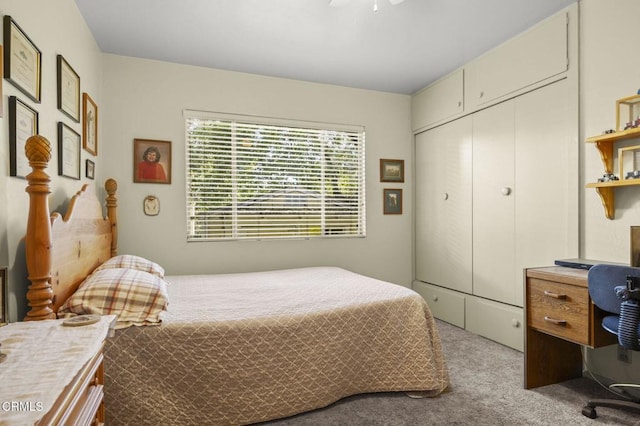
pixel 494 193
pixel 443 205
pixel 546 178
pixel 525 189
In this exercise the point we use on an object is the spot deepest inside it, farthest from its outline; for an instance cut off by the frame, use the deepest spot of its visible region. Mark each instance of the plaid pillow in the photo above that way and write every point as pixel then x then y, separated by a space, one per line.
pixel 135 297
pixel 129 261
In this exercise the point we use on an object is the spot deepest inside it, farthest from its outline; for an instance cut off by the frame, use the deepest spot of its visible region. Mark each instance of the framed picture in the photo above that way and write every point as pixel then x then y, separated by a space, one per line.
pixel 391 170
pixel 68 90
pixel 23 123
pixel 89 124
pixel 90 169
pixel 68 151
pixel 392 201
pixel 22 60
pixel 4 314
pixel 151 161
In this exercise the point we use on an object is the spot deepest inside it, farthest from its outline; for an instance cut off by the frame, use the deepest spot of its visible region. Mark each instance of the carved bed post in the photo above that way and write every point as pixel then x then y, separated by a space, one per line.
pixel 38 240
pixel 112 213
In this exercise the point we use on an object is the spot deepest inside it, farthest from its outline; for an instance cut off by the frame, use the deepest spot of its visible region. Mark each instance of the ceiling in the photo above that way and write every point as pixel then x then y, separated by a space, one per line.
pixel 397 49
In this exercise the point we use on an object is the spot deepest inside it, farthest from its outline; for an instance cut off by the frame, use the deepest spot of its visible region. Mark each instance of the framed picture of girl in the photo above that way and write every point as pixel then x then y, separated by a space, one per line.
pixel 151 161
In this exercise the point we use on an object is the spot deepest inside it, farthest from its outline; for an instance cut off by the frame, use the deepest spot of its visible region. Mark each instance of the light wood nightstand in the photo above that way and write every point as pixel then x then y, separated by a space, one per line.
pixel 60 385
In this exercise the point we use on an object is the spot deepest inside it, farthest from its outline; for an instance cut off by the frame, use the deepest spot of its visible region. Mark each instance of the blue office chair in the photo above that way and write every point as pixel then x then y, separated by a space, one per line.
pixel 616 289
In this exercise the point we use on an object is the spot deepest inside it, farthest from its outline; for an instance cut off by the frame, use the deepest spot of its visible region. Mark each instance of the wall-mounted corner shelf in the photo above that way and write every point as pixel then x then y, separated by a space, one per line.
pixel 604 144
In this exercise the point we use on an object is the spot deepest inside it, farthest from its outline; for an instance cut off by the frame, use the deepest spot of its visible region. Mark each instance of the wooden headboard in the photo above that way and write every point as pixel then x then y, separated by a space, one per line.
pixel 62 250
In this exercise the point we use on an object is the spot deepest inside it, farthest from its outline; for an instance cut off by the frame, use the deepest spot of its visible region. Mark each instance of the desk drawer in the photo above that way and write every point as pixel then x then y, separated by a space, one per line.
pixel 558 309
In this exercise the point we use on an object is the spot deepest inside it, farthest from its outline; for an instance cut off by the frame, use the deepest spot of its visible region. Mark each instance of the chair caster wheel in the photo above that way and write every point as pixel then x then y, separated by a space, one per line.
pixel 589 412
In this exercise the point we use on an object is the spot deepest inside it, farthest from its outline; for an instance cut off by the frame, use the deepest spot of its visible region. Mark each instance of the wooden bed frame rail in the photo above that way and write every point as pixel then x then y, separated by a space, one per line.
pixel 62 251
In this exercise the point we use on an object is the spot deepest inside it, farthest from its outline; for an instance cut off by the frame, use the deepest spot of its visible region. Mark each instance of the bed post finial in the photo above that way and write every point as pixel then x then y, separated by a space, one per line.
pixel 38 240
pixel 112 212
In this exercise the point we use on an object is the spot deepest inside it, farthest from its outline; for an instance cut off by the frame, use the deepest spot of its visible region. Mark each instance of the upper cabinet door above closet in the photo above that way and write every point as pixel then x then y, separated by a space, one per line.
pixel 532 57
pixel 438 102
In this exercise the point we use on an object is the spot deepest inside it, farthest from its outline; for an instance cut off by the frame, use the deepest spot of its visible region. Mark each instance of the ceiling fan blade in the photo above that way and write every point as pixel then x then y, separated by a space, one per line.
pixel 394 2
pixel 338 3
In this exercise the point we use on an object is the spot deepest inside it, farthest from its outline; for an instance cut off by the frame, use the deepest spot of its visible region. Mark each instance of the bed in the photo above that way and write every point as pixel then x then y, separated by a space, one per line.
pixel 232 348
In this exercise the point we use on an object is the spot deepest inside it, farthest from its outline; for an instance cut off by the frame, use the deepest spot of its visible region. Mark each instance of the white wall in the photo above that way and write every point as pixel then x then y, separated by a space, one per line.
pixel 55 27
pixel 145 99
pixel 609 71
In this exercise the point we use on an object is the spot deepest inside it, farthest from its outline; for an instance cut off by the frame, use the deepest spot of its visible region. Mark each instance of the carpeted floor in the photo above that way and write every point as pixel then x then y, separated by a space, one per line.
pixel 486 389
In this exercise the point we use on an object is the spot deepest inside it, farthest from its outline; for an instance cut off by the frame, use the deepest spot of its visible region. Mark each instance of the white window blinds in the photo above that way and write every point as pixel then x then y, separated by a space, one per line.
pixel 256 178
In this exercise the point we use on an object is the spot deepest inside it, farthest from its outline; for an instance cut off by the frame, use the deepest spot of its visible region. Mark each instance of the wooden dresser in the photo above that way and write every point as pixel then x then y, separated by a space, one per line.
pixel 560 319
pixel 60 386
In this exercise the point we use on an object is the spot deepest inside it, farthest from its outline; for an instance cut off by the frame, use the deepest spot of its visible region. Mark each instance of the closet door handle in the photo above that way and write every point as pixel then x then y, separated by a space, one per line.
pixel 506 191
pixel 445 196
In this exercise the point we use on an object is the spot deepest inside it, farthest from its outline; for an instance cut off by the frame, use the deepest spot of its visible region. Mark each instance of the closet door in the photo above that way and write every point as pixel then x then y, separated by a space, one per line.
pixel 547 179
pixel 525 196
pixel 494 193
pixel 443 205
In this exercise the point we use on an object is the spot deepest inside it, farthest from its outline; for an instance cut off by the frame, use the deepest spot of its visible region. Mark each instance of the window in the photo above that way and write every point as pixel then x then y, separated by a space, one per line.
pixel 256 178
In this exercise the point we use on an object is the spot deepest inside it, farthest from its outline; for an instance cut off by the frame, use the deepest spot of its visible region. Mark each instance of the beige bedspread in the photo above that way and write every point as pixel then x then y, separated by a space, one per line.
pixel 243 348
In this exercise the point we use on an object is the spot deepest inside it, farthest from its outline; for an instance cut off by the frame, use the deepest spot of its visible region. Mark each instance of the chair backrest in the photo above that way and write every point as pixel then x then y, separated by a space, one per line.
pixel 603 279
pixel 607 288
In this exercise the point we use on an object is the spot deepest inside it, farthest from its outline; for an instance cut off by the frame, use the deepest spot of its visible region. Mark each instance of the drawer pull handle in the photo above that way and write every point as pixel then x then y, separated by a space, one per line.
pixel 555 321
pixel 555 295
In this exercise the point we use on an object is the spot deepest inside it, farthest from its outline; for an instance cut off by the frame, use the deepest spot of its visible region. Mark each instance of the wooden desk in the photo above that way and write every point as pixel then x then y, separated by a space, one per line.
pixel 560 319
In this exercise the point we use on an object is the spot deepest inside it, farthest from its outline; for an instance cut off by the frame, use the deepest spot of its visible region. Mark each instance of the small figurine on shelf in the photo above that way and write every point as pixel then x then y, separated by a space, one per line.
pixel 608 177
pixel 635 174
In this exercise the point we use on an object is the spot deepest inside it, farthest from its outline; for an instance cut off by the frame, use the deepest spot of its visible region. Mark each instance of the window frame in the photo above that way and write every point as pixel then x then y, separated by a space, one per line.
pixel 352 133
